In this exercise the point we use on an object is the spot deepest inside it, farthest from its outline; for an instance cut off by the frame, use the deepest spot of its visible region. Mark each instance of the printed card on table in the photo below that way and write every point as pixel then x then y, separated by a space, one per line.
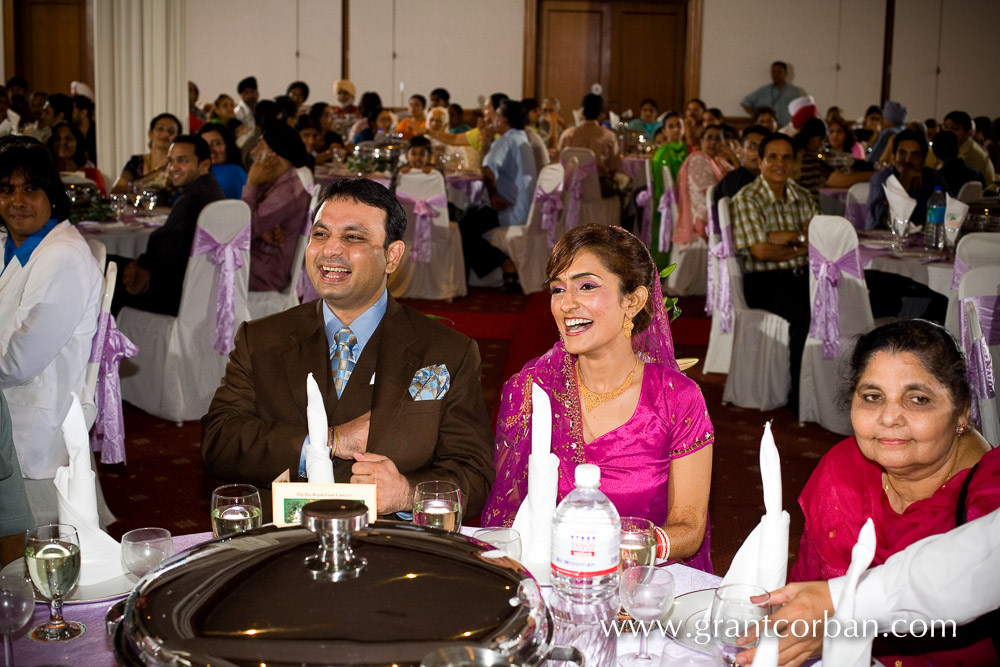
pixel 288 497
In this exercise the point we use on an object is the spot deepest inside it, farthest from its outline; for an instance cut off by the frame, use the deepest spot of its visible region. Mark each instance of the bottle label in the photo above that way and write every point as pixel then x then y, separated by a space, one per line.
pixel 584 551
pixel 935 214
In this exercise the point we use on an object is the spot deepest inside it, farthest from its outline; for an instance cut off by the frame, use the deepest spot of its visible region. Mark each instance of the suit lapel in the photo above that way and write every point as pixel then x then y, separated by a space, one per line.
pixel 306 354
pixel 396 364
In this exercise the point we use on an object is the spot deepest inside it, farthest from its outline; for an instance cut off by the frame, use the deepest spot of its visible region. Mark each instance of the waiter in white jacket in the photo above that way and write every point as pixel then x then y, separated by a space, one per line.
pixel 50 289
pixel 953 576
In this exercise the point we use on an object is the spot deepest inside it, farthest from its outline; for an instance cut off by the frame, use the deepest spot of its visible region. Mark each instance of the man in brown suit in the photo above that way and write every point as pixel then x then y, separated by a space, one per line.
pixel 386 430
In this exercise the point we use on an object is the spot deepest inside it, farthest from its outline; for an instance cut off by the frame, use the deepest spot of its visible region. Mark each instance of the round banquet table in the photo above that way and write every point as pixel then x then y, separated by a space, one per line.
pixel 935 273
pixel 127 238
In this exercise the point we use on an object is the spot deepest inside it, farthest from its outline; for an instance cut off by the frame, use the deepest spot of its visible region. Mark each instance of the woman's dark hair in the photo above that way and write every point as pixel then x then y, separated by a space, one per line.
pixel 619 252
pixel 302 86
pixel 80 155
pixel 316 112
pixel 814 127
pixel 233 153
pixel 931 343
pixel 287 108
pixel 30 158
pixel 420 98
pixel 372 117
pixel 849 138
pixel 873 109
pixel 650 101
pixel 369 101
pixel 158 117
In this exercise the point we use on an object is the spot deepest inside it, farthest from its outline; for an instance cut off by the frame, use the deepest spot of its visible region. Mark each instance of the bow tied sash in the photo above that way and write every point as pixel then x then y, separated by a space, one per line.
pixel 110 346
pixel 720 297
pixel 423 213
pixel 980 361
pixel 228 257
pixel 825 323
pixel 644 201
pixel 550 204
pixel 576 178
pixel 667 209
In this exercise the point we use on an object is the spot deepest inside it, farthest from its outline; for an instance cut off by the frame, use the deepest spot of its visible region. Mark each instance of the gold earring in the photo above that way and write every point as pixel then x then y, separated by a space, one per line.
pixel 628 325
pixel 960 431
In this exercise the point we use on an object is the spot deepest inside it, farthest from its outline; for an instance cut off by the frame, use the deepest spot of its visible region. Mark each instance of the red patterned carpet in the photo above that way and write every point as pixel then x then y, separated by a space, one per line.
pixel 164 484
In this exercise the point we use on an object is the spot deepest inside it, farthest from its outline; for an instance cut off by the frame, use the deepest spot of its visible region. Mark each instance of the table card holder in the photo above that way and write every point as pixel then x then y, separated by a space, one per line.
pixel 288 497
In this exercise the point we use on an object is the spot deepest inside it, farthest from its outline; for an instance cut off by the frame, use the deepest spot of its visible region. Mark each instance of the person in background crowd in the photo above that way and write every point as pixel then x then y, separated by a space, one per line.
pixel 960 123
pixel 801 109
pixel 982 125
pixel 227 160
pixel 17 88
pixel 150 169
pixel 196 116
pixel 670 155
pixel 955 171
pixel 712 116
pixel 247 90
pixel 813 168
pixel 748 170
pixel 265 112
pixel 701 170
pixel 589 134
pixel 456 119
pixel 932 129
pixel 417 119
pixel 892 123
pixel 841 139
pixel 534 111
pixel 831 113
pixel 223 110
pixel 993 144
pixel 440 97
pixel 694 116
pixel 57 107
pixel 370 105
pixel 10 120
pixel 69 149
pixel 315 140
pixel 647 122
pixel 298 91
pixel 83 118
pixel 872 120
pixel 37 102
pixel 551 120
pixel 777 94
pixel 909 151
pixel 344 92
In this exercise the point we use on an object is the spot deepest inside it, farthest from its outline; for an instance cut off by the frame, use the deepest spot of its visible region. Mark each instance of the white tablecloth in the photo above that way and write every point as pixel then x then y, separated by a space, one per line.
pixel 936 275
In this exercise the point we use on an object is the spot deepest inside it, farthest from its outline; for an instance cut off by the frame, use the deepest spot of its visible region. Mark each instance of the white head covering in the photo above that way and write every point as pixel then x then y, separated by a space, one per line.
pixel 80 88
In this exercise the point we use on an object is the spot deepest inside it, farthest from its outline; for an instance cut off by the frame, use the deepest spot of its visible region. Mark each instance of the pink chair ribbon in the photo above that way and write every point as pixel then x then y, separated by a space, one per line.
pixel 422 219
pixel 551 204
pixel 979 359
pixel 228 257
pixel 644 201
pixel 956 275
pixel 110 346
pixel 825 323
pixel 575 184
pixel 666 209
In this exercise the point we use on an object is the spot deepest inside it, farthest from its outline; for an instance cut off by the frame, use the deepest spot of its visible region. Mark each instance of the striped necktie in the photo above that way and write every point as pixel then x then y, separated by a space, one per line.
pixel 342 359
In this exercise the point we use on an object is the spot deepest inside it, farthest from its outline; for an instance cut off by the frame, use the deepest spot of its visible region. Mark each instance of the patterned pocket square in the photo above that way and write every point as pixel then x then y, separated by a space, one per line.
pixel 430 383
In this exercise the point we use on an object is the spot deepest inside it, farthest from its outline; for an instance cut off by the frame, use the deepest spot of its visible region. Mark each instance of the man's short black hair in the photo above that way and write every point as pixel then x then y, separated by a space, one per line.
pixel 62 104
pixel 982 123
pixel 84 103
pixel 496 99
pixel 301 85
pixel 650 101
pixel 442 93
pixel 910 135
pixel 930 123
pixel 957 117
pixel 420 141
pixel 780 63
pixel 873 109
pixel 697 101
pixel 774 136
pixel 17 81
pixel 244 84
pixel 762 110
pixel 287 108
pixel 514 113
pixel 592 105
pixel 945 146
pixel 202 151
pixel 421 98
pixel 753 129
pixel 715 112
pixel 367 192
pixel 265 112
pixel 530 104
pixel 30 158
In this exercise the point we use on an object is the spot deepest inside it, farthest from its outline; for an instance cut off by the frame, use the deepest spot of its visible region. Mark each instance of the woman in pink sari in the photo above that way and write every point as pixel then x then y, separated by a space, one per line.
pixel 618 398
pixel 915 465
pixel 701 170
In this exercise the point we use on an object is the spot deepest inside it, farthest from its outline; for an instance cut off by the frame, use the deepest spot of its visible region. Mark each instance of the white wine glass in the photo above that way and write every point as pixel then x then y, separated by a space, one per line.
pixel 438 504
pixel 17 603
pixel 898 228
pixel 647 593
pixel 236 509
pixel 737 609
pixel 118 206
pixel 145 548
pixel 52 554
pixel 637 543
pixel 507 540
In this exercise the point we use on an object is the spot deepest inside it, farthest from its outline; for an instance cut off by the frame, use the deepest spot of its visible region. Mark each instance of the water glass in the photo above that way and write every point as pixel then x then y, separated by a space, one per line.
pixel 507 540
pixel 736 609
pixel 236 509
pixel 52 554
pixel 899 227
pixel 438 504
pixel 17 603
pixel 145 548
pixel 647 593
pixel 118 205
pixel 637 542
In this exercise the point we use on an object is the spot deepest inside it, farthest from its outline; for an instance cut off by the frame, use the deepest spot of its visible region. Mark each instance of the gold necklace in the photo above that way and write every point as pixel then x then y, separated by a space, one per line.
pixel 886 485
pixel 592 399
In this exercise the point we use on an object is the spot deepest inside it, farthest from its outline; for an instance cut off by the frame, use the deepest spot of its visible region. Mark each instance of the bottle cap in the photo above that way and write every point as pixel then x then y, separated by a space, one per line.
pixel 587 474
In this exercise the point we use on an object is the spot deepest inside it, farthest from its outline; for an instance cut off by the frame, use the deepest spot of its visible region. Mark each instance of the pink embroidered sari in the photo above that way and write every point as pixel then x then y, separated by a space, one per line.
pixel 698 173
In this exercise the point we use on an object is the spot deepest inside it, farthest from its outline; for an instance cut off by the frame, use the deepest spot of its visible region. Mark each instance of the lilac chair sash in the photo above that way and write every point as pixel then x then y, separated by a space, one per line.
pixel 423 212
pixel 825 323
pixel 644 201
pixel 110 346
pixel 979 359
pixel 666 209
pixel 718 287
pixel 551 204
pixel 956 275
pixel 712 263
pixel 575 181
pixel 228 257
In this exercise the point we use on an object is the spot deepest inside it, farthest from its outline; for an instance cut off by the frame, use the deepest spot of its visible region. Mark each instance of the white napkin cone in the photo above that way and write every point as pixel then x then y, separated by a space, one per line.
pixel 763 557
pixel 76 490
pixel 534 518
pixel 954 212
pixel 319 467
pixel 901 204
pixel 841 651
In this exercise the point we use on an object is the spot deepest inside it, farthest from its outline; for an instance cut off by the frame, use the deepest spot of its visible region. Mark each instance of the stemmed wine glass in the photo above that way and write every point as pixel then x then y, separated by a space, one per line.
pixel 52 553
pixel 118 204
pixel 736 609
pixel 17 603
pixel 235 509
pixel 637 543
pixel 647 593
pixel 145 548
pixel 438 503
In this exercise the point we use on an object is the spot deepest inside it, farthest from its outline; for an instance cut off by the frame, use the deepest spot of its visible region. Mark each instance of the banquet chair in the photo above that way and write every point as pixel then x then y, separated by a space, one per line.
pixel 87 398
pixel 441 274
pixel 100 253
pixel 689 278
pixel 667 206
pixel 980 339
pixel 528 246
pixel 976 249
pixel 971 191
pixel 180 363
pixel 856 206
pixel 582 189
pixel 759 375
pixel 834 239
pixel 720 337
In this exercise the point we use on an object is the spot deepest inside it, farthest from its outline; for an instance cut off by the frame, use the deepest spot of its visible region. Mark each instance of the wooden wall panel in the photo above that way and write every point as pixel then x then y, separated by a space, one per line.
pixel 648 44
pixel 574 50
pixel 51 49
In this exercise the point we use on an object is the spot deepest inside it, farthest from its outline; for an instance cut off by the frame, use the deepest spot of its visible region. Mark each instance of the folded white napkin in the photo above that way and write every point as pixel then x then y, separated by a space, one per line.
pixel 901 204
pixel 954 212
pixel 840 650
pixel 534 518
pixel 767 651
pixel 763 557
pixel 76 489
pixel 319 467
pixel 614 119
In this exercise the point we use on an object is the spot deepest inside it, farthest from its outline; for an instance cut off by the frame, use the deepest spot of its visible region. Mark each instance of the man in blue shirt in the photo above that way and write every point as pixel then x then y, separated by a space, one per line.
pixel 775 95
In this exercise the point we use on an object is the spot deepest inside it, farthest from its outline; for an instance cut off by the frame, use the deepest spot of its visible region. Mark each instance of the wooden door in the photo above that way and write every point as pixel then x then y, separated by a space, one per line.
pixel 574 50
pixel 50 44
pixel 647 55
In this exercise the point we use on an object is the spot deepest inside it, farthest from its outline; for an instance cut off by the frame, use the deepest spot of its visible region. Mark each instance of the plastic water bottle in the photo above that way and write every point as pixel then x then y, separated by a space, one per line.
pixel 585 542
pixel 934 225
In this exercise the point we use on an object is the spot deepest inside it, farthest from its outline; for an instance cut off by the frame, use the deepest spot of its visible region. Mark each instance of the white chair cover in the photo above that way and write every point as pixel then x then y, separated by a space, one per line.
pixel 668 211
pixel 442 277
pixel 984 334
pixel 758 370
pixel 971 191
pixel 100 253
pixel 720 297
pixel 832 238
pixel 856 206
pixel 593 209
pixel 977 249
pixel 178 368
pixel 528 246
pixel 261 304
pixel 690 276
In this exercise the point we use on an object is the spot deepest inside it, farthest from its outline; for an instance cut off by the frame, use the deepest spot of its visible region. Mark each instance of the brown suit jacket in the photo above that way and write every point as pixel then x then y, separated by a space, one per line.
pixel 256 424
